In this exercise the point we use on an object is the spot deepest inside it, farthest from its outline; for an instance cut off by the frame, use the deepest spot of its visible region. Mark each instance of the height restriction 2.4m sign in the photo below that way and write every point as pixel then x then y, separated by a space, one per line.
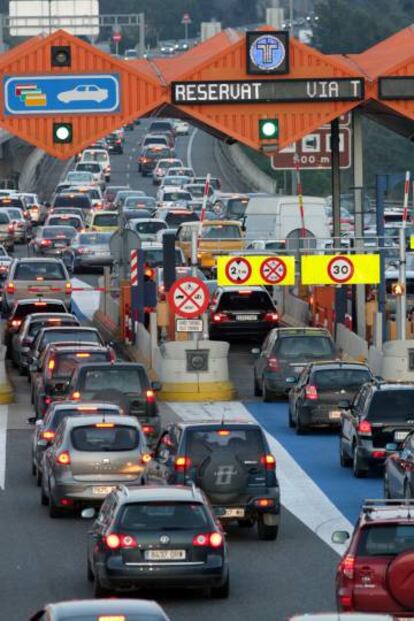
pixel 255 270
pixel 355 269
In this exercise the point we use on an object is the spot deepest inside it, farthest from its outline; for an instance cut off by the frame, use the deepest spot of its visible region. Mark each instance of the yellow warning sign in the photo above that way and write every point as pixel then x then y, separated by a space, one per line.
pixel 355 269
pixel 255 270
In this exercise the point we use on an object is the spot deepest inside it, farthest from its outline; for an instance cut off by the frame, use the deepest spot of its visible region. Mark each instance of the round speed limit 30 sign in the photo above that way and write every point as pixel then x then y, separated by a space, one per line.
pixel 340 269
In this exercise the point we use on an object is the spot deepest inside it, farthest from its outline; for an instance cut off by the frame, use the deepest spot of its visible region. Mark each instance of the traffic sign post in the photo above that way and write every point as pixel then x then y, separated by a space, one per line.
pixel 186 20
pixel 356 269
pixel 189 297
pixel 255 270
pixel 117 38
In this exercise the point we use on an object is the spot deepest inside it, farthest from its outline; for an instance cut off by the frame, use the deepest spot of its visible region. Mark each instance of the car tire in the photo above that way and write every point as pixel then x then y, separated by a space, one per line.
pixel 256 389
pixel 221 592
pixel 301 429
pixel 38 477
pixel 268 395
pixel 89 573
pixel 54 511
pixel 292 423
pixel 344 459
pixel 357 469
pixel 34 469
pixel 44 500
pixel 266 532
pixel 98 590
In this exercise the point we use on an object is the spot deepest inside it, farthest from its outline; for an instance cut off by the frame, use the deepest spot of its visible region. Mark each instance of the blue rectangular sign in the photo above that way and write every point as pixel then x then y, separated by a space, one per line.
pixel 63 94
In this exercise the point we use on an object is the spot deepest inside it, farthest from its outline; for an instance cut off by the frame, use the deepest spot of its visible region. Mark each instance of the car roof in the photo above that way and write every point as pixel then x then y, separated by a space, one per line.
pixel 92 419
pixel 216 222
pixel 233 289
pixel 42 316
pixel 302 331
pixel 393 386
pixel 167 493
pixel 328 364
pixel 34 300
pixel 66 349
pixel 382 511
pixel 213 424
pixel 70 609
pixel 78 328
pixel 37 260
pixel 61 405
pixel 111 365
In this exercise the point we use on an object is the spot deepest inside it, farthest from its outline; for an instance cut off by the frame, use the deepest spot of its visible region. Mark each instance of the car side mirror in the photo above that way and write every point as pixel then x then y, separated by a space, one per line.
pixel 391 447
pixel 340 536
pixel 344 404
pixel 292 379
pixel 32 420
pixel 156 386
pixel 255 351
pixel 88 514
pixel 34 366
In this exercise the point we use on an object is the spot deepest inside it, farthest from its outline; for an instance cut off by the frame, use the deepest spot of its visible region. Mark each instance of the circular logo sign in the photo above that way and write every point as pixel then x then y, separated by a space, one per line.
pixel 273 271
pixel 340 269
pixel 189 297
pixel 238 271
pixel 267 52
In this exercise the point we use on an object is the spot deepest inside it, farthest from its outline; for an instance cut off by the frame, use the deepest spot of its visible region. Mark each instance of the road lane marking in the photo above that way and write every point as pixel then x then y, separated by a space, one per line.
pixel 3 444
pixel 189 148
pixel 299 493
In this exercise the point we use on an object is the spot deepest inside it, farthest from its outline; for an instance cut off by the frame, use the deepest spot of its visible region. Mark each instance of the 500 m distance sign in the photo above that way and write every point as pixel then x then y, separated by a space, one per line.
pixel 188 297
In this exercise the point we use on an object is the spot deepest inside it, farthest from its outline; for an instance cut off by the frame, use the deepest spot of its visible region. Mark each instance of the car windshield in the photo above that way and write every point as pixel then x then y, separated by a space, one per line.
pixel 92 239
pixel 335 379
pixel 93 438
pixel 39 270
pixel 386 540
pixel 92 167
pixel 392 405
pixel 176 196
pixel 121 379
pixel 22 310
pixel 70 335
pixel 149 227
pixel 79 176
pixel 106 219
pixel 243 444
pixel 167 164
pixel 36 326
pixel 300 346
pixel 246 301
pixel 4 217
pixel 15 214
pixel 175 219
pixel 236 207
pixel 163 516
pixel 221 231
pixel 52 232
pixel 98 156
pixel 66 362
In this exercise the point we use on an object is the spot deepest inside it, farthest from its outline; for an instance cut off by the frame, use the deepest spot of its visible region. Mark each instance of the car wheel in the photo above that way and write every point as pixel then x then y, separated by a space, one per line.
pixel 43 498
pixel 221 592
pixel 345 460
pixel 268 395
pixel 292 423
pixel 301 429
pixel 266 532
pixel 98 589
pixel 38 477
pixel 54 511
pixel 89 573
pixel 257 389
pixel 34 469
pixel 357 468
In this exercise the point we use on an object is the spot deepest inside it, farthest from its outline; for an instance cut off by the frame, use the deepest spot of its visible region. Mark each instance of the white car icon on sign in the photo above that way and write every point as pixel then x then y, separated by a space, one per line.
pixel 86 92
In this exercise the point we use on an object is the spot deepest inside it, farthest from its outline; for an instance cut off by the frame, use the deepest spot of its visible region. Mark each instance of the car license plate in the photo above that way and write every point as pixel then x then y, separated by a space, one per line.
pixel 399 436
pixel 335 415
pixel 233 513
pixel 246 317
pixel 60 244
pixel 165 555
pixel 103 490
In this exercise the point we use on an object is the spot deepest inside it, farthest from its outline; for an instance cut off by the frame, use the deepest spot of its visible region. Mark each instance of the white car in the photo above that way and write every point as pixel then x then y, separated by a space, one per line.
pixel 147 228
pixel 84 92
pixel 161 168
pixel 173 197
pixel 98 155
pixel 181 128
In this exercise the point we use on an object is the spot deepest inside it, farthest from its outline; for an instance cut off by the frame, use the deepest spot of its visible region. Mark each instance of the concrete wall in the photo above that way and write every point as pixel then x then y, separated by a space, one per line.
pixel 295 311
pixel 247 169
pixel 353 346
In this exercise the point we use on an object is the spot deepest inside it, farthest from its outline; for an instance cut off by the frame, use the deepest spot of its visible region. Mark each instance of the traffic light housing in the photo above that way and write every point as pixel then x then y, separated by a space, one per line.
pixel 60 56
pixel 268 129
pixel 397 289
pixel 62 133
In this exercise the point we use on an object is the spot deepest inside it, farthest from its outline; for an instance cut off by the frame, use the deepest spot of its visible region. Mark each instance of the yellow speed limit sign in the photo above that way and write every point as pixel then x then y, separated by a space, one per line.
pixel 334 269
pixel 255 270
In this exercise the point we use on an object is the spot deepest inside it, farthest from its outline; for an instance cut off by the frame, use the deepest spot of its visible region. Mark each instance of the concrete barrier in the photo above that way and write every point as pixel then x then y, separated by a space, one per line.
pixel 352 346
pixel 295 311
pixel 398 361
pixel 6 390
pixel 375 360
pixel 252 175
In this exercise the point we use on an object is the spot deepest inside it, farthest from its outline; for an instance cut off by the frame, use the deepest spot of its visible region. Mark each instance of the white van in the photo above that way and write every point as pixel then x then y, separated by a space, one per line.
pixel 278 218
pixel 101 156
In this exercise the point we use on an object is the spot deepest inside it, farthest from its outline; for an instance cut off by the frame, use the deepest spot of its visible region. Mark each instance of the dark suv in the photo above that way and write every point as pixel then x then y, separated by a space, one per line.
pixel 381 413
pixel 284 354
pixel 314 401
pixel 163 536
pixel 231 463
pixel 376 573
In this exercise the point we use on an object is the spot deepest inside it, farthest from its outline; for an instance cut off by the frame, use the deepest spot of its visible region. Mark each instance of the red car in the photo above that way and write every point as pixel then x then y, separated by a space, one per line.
pixel 376 574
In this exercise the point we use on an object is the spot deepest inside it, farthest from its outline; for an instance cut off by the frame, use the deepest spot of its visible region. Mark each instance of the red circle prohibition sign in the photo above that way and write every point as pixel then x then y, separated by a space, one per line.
pixel 273 270
pixel 189 297
pixel 238 270
pixel 340 269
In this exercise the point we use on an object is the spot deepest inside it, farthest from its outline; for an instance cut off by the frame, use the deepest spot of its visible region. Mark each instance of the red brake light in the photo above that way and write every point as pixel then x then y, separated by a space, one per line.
pixel 220 317
pixel 10 228
pixel 271 317
pixel 264 502
pixel 211 540
pixel 11 287
pixel 68 287
pixel 149 396
pixel 149 272
pixel 63 458
pixel 46 242
pixel 347 566
pixel 273 363
pixel 75 395
pixel 365 427
pixel 378 454
pixel 147 429
pixel 182 463
pixel 311 392
pixel 47 435
pixel 114 541
pixel 52 364
pixel 16 323
pixel 268 461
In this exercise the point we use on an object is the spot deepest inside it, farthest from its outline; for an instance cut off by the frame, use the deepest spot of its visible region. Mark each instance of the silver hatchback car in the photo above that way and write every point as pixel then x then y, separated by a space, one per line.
pixel 90 456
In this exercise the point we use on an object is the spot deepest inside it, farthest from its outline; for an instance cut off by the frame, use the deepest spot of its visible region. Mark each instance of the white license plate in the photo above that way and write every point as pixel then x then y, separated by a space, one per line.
pixel 246 317
pixel 165 555
pixel 399 436
pixel 103 490
pixel 60 245
pixel 233 513
pixel 334 415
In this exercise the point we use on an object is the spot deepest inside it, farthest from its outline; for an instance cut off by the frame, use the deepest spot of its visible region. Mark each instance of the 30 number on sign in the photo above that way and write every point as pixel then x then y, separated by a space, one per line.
pixel 340 269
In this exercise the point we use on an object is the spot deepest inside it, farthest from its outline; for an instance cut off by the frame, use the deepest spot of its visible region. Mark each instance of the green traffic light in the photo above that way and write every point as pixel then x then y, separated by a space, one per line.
pixel 268 129
pixel 62 133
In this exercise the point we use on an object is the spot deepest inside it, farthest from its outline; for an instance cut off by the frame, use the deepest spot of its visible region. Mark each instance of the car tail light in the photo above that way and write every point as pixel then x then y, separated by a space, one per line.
pixel 268 461
pixel 346 602
pixel 48 400
pixel 11 287
pixel 46 242
pixel 210 540
pixel 146 458
pixel 148 429
pixel 10 228
pixel 378 454
pixel 75 396
pixel 149 396
pixel 347 566
pixel 15 323
pixel 112 355
pixel 68 287
pixel 66 502
pixel 118 141
pixel 365 428
pixel 271 317
pixel 273 363
pixel 51 365
pixel 220 317
pixel 63 458
pixel 47 435
pixel 182 463
pixel 264 502
pixel 311 392
pixel 114 541
pixel 149 272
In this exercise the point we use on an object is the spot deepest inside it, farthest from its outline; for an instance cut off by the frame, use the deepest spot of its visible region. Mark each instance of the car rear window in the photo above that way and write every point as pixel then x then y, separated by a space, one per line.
pixel 158 153
pixel 175 219
pixel 4 217
pixel 392 405
pixel 164 516
pixel 245 444
pixel 249 300
pixel 151 140
pixel 53 232
pixel 67 362
pixel 36 326
pixel 335 379
pixel 92 167
pixel 160 126
pixel 221 231
pixel 65 220
pixel 70 336
pixel 95 238
pixel 60 414
pixel 236 207
pixel 79 200
pixel 106 219
pixel 304 346
pixel 176 196
pixel 120 379
pixel 386 540
pixel 154 258
pixel 22 310
pixel 149 228
pixel 96 439
pixel 39 270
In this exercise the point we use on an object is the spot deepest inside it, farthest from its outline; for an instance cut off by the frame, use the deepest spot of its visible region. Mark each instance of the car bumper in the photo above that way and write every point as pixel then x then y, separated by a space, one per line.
pixel 252 329
pixel 93 261
pixel 372 456
pixel 82 492
pixel 277 383
pixel 320 415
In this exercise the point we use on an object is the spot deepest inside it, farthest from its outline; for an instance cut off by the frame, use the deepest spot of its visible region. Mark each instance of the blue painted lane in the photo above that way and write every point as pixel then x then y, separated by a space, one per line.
pixel 318 455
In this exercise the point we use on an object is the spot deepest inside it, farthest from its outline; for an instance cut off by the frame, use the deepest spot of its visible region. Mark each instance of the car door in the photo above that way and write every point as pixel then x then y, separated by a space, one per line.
pixel 350 418
pixel 266 350
pixel 296 393
pixel 100 524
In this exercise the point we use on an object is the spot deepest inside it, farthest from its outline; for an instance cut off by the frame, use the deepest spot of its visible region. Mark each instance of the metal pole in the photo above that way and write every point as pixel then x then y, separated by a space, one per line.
pixel 50 16
pixel 358 215
pixel 402 279
pixel 379 203
pixel 291 15
pixel 340 292
pixel 141 43
pixel 186 31
pixel 194 264
pixel 117 47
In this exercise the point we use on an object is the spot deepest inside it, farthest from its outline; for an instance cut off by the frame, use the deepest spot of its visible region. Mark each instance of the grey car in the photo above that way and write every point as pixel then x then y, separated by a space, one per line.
pixel 45 428
pixel 284 354
pixel 91 250
pixel 89 457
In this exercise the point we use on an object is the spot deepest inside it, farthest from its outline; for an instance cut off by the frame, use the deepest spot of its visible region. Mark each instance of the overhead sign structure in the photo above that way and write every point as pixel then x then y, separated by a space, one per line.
pixel 61 94
pixel 268 91
pixel 267 52
pixel 33 17
pixel 255 270
pixel 398 87
pixel 355 269
pixel 189 297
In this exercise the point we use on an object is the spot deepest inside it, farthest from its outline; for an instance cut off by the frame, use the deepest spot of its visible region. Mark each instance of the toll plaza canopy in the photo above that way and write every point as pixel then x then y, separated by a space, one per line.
pixel 227 85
